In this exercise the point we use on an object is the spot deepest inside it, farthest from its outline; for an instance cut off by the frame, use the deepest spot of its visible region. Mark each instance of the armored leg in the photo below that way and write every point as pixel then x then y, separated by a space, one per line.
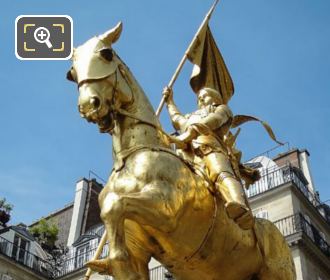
pixel 233 194
pixel 231 189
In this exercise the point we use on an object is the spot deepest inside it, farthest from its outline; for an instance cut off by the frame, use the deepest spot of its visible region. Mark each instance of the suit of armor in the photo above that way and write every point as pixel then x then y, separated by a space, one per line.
pixel 205 130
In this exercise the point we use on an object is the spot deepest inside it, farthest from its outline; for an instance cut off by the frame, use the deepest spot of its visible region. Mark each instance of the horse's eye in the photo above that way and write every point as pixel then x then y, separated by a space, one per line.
pixel 107 54
pixel 69 76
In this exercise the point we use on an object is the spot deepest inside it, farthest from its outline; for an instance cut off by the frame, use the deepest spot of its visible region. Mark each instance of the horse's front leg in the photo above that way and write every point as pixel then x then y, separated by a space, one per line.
pixel 112 214
pixel 124 263
pixel 157 206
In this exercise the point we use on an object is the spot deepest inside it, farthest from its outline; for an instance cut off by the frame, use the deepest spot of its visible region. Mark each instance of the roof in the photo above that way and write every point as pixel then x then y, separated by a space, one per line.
pixel 52 214
pixel 293 150
pixel 20 229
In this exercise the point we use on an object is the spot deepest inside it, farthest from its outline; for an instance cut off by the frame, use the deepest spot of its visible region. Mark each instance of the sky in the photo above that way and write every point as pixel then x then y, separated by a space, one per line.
pixel 277 52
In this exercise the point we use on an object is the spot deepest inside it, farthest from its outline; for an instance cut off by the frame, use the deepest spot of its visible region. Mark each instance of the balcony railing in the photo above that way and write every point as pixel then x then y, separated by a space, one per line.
pixel 297 223
pixel 157 273
pixel 77 258
pixel 77 262
pixel 25 258
pixel 277 178
pixel 288 226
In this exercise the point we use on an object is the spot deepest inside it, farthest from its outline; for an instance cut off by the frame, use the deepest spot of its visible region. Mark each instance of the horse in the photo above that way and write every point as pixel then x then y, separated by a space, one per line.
pixel 154 205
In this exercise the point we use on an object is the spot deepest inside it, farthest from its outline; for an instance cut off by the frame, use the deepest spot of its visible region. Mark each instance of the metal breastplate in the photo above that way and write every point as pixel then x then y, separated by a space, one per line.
pixel 197 116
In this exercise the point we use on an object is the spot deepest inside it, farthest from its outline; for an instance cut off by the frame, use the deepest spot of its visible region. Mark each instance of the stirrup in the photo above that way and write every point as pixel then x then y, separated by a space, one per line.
pixel 241 214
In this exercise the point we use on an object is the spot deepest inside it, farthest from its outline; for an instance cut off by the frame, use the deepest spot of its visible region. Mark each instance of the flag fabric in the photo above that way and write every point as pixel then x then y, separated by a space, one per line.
pixel 210 71
pixel 209 67
pixel 241 119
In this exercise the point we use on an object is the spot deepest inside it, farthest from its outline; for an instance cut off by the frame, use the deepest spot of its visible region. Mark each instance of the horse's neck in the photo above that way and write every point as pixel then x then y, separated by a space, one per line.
pixel 138 129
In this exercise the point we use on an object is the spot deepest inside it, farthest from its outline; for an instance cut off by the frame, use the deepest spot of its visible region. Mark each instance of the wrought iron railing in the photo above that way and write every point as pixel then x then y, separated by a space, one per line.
pixel 77 258
pixel 25 258
pixel 277 178
pixel 78 261
pixel 288 226
pixel 298 223
pixel 157 273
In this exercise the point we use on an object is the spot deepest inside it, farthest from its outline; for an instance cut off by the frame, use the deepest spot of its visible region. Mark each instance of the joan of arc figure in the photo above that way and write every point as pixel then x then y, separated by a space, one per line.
pixel 204 131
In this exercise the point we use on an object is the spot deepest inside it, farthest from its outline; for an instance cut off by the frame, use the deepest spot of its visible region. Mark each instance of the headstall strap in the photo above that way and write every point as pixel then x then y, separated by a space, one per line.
pixel 124 154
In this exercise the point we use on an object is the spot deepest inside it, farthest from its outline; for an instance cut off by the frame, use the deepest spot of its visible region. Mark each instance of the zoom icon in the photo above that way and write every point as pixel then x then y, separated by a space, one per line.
pixel 40 37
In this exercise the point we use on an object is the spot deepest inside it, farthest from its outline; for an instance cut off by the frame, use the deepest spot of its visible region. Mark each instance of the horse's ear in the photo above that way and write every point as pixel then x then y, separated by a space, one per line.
pixel 112 35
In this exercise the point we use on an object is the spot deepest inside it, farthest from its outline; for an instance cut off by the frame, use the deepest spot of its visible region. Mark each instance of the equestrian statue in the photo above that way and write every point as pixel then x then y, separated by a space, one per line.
pixel 176 198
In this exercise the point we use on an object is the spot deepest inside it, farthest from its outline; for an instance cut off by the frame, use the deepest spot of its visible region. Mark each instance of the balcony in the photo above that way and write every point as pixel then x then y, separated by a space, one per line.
pixel 298 224
pixel 288 226
pixel 76 258
pixel 25 258
pixel 278 177
pixel 76 261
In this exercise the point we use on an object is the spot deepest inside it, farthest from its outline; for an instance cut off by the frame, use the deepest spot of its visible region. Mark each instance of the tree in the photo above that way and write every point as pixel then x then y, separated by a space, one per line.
pixel 45 232
pixel 5 209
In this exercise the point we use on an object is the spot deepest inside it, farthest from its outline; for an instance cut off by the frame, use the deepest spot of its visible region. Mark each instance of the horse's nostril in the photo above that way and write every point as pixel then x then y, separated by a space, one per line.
pixel 95 102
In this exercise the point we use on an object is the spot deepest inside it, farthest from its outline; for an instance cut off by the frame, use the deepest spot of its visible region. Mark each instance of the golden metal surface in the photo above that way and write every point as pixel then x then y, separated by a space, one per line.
pixel 204 130
pixel 153 204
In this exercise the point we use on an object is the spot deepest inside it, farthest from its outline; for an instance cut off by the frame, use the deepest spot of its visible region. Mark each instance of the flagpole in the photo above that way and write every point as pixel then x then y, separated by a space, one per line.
pixel 185 56
pixel 97 254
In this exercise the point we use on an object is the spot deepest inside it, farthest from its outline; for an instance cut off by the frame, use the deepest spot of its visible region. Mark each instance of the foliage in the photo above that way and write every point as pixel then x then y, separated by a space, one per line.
pixel 57 258
pixel 46 233
pixel 5 209
pixel 5 206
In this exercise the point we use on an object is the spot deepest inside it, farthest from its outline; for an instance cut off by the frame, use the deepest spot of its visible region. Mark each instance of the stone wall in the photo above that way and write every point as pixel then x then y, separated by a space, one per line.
pixel 15 271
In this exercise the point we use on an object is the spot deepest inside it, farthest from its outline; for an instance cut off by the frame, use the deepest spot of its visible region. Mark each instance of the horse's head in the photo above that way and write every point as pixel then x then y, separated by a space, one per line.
pixel 94 69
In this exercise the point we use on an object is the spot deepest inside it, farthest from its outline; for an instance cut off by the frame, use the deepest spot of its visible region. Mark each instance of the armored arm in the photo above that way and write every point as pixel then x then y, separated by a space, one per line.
pixel 218 118
pixel 178 120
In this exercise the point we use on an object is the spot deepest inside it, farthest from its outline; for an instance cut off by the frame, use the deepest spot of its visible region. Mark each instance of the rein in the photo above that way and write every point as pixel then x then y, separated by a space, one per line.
pixel 123 154
pixel 128 152
pixel 125 113
pixel 209 231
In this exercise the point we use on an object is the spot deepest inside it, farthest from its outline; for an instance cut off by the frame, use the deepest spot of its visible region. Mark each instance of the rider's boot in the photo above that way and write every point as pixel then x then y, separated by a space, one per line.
pixel 232 192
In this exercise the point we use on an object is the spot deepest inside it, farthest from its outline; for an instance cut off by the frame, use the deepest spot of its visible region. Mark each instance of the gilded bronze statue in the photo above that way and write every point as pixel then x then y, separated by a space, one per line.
pixel 155 203
pixel 185 207
pixel 205 129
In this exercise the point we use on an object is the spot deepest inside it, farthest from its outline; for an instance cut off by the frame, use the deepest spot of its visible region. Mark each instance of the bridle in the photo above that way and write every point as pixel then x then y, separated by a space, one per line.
pixel 115 110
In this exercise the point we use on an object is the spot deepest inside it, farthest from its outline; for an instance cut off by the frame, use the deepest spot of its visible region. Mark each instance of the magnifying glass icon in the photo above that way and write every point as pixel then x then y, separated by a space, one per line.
pixel 42 35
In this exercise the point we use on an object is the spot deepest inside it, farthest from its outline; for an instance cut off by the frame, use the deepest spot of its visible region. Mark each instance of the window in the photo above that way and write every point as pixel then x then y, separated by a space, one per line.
pixel 323 244
pixel 82 255
pixel 20 248
pixel 308 226
pixel 261 214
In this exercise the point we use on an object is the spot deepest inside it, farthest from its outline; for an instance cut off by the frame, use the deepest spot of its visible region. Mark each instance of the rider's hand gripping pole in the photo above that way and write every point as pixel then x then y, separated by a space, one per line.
pixel 184 58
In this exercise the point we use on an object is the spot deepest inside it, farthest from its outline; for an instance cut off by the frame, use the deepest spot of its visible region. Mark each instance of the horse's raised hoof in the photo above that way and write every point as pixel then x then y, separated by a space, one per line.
pixel 101 266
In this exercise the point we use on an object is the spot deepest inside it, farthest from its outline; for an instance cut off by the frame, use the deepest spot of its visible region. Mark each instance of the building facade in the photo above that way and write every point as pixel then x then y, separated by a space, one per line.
pixel 21 257
pixel 285 195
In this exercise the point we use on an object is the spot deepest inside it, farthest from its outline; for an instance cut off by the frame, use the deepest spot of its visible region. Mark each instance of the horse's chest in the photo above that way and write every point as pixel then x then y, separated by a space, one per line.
pixel 123 182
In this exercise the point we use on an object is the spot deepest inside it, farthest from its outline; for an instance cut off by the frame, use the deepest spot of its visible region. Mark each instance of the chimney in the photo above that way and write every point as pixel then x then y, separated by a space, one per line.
pixel 305 167
pixel 78 210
